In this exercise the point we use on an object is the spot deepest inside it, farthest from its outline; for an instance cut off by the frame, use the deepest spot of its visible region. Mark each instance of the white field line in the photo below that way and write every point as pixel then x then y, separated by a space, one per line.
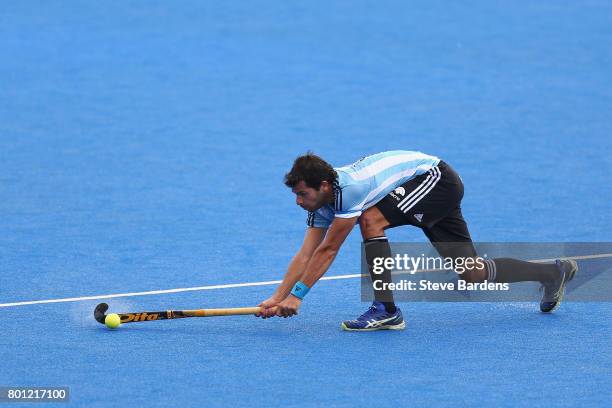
pixel 239 285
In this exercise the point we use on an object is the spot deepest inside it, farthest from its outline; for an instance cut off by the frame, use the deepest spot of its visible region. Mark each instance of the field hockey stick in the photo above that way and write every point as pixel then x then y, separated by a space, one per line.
pixel 100 314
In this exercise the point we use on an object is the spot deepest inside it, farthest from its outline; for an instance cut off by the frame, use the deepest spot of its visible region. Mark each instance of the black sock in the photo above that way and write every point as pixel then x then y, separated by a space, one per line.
pixel 378 247
pixel 513 270
pixel 390 307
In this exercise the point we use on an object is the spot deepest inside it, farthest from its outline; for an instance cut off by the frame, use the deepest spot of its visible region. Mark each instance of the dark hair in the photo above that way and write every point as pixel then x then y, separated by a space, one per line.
pixel 312 170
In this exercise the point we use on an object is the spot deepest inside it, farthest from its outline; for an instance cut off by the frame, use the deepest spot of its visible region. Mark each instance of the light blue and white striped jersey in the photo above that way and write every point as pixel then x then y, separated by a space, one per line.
pixel 367 181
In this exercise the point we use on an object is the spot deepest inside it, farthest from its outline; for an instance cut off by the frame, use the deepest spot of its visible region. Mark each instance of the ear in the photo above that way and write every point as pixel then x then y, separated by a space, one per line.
pixel 326 186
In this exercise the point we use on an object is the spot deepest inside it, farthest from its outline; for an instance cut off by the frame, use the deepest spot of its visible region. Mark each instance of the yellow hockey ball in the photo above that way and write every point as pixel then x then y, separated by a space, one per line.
pixel 112 321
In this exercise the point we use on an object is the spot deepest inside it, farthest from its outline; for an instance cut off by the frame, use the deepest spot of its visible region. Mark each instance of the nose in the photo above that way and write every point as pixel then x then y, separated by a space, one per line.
pixel 299 201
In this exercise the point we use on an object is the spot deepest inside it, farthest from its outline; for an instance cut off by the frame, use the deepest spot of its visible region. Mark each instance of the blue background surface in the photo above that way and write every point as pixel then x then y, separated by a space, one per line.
pixel 143 145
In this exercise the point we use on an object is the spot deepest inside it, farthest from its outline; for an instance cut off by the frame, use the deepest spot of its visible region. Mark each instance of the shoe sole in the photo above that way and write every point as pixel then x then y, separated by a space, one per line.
pixel 568 277
pixel 400 326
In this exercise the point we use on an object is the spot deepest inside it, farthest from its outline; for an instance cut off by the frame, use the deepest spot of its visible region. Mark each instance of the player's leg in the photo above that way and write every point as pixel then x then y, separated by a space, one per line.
pixel 387 213
pixel 453 230
pixel 372 224
pixel 451 238
pixel 450 235
pixel 383 314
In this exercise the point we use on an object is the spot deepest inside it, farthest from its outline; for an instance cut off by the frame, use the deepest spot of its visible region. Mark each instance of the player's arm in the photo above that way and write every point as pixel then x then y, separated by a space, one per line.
pixel 319 263
pixel 312 239
pixel 325 253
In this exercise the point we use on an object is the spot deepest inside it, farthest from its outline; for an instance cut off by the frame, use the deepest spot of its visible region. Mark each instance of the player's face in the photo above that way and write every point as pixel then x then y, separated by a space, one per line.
pixel 309 198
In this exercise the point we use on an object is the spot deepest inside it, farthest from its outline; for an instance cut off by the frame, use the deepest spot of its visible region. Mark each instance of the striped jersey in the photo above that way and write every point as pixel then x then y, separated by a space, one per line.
pixel 364 183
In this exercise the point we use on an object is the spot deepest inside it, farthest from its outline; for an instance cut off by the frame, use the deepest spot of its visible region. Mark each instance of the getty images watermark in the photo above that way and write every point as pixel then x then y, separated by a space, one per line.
pixel 411 265
pixel 420 273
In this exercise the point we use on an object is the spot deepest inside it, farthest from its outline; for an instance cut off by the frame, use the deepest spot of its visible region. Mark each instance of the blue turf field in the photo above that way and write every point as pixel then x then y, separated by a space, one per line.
pixel 143 145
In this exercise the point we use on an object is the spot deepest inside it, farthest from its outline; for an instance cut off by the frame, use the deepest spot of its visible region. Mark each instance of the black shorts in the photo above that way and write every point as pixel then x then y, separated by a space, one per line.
pixel 432 202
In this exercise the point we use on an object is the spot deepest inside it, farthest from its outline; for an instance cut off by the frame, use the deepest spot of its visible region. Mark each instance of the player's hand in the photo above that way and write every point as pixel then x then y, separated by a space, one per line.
pixel 268 307
pixel 288 307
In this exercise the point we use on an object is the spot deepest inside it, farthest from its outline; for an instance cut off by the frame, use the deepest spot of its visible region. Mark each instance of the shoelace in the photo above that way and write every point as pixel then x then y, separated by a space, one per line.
pixel 370 310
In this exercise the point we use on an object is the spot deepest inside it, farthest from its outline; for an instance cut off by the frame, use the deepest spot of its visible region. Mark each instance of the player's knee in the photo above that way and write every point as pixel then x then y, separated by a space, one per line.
pixel 367 227
pixel 370 225
pixel 473 275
